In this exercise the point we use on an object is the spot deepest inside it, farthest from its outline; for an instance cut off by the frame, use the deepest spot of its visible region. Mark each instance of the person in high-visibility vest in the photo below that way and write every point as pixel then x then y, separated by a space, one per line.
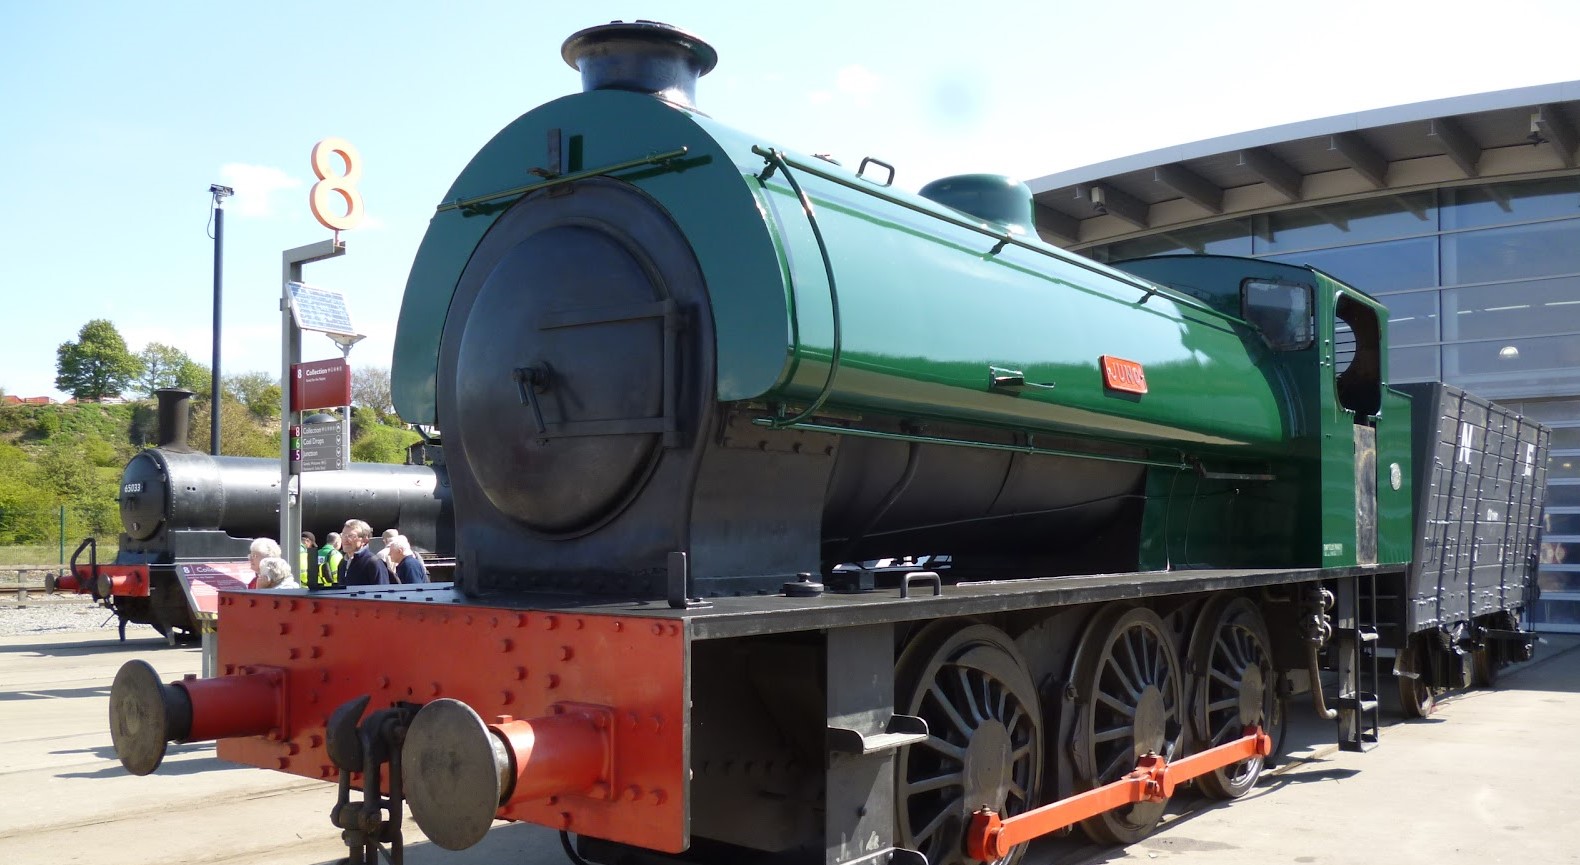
pixel 329 556
pixel 306 555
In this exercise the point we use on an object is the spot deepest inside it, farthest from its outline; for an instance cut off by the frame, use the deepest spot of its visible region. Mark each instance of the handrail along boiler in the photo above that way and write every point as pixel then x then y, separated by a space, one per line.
pixel 797 515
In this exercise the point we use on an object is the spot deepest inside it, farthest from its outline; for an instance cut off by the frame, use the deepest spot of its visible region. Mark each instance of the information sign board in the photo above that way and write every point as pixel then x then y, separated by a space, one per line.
pixel 322 447
pixel 320 384
pixel 203 581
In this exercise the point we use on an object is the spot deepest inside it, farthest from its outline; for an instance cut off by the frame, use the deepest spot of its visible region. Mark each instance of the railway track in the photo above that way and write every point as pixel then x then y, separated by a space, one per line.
pixel 19 591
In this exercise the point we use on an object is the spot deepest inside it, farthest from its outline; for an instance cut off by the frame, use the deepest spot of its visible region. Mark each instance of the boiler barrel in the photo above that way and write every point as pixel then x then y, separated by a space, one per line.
pixel 240 496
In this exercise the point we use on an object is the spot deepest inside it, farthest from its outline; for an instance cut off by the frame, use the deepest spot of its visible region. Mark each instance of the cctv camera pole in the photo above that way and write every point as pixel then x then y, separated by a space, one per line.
pixel 220 193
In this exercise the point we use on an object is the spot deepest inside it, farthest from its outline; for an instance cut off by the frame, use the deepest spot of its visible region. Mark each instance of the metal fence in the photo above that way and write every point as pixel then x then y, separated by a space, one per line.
pixel 36 540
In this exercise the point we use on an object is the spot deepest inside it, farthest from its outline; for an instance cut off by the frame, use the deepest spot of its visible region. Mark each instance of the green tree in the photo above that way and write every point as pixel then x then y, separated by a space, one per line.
pixel 168 366
pixel 258 391
pixel 26 517
pixel 382 444
pixel 370 388
pixel 62 470
pixel 97 365
pixel 240 433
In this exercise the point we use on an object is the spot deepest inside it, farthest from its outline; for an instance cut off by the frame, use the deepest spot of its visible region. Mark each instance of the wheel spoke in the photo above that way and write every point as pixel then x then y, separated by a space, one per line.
pixel 1125 681
pixel 1226 652
pixel 1115 767
pixel 1112 734
pixel 945 747
pixel 1142 676
pixel 1116 704
pixel 937 782
pixel 969 693
pixel 949 709
pixel 1226 703
pixel 934 824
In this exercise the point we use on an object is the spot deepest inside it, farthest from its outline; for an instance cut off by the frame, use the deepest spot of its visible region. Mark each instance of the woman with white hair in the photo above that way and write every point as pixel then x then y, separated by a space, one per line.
pixel 275 573
pixel 262 548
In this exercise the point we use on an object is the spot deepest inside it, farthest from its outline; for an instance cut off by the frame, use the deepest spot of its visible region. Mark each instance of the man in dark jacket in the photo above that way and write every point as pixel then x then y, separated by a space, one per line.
pixel 362 568
pixel 408 568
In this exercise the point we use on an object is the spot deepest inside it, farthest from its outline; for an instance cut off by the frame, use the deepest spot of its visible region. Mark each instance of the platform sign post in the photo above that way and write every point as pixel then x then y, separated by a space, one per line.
pixel 291 356
pixel 303 307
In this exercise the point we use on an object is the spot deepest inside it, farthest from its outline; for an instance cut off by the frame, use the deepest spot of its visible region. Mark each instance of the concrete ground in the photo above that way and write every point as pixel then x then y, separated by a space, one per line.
pixel 1485 780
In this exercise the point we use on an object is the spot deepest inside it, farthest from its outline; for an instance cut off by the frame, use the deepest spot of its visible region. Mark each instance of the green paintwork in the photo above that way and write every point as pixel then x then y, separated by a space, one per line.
pixel 928 308
pixel 1395 514
pixel 1001 201
pixel 1308 516
pixel 709 197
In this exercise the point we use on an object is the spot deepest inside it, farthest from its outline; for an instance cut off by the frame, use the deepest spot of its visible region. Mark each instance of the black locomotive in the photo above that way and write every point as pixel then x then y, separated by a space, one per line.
pixel 181 507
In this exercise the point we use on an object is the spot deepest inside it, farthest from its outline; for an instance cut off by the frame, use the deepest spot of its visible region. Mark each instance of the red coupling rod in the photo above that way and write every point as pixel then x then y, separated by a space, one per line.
pixel 991 838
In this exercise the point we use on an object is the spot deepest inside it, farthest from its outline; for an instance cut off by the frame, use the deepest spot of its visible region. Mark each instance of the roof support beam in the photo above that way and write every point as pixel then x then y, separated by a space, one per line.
pixel 1058 224
pixel 1362 157
pixel 1194 246
pixel 1107 199
pixel 1338 222
pixel 1458 144
pixel 1548 125
pixel 1416 208
pixel 1190 185
pixel 1273 171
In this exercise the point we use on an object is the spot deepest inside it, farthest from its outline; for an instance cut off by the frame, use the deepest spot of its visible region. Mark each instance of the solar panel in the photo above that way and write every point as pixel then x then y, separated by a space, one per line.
pixel 319 309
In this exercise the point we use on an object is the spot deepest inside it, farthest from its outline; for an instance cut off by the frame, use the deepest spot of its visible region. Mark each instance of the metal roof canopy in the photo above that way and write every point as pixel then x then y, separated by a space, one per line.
pixel 1527 131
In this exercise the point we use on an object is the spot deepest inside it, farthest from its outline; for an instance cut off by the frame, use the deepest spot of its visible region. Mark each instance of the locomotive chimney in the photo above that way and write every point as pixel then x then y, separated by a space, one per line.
pixel 642 56
pixel 175 406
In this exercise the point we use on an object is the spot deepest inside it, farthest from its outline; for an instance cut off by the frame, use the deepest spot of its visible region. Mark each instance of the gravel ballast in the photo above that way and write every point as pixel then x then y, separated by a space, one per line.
pixel 60 613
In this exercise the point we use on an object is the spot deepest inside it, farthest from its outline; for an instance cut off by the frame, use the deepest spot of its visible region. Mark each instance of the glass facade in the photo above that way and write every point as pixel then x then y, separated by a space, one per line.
pixel 1482 285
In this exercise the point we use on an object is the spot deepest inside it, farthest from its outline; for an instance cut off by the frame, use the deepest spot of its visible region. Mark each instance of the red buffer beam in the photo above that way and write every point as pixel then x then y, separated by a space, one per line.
pixel 990 838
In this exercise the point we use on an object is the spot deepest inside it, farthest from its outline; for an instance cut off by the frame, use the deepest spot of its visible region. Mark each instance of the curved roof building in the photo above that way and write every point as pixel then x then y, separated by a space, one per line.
pixel 1461 215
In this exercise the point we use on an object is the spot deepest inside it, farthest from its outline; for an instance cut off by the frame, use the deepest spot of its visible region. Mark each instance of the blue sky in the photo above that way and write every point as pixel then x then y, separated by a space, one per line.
pixel 115 117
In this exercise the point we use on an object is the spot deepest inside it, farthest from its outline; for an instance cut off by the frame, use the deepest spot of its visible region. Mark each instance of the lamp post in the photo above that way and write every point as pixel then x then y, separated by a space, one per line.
pixel 220 193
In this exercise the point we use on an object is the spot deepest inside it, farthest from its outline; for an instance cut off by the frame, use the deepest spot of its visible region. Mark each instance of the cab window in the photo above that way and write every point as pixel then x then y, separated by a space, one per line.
pixel 1357 357
pixel 1281 311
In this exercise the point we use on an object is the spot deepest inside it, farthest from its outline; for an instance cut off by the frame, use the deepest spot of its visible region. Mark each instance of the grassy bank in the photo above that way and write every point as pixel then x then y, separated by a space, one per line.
pixel 46 555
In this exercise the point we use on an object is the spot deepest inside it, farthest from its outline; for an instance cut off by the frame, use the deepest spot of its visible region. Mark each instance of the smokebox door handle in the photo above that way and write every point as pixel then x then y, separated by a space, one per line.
pixel 530 381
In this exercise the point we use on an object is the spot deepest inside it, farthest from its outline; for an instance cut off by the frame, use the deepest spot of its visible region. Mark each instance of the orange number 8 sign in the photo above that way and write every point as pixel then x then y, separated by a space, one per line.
pixel 334 187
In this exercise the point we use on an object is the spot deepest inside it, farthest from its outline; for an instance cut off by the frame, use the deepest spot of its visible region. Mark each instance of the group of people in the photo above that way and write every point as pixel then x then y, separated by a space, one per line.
pixel 345 559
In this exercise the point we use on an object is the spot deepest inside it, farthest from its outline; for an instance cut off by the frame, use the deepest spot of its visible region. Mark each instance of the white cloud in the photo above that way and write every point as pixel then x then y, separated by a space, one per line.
pixel 857 80
pixel 255 185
